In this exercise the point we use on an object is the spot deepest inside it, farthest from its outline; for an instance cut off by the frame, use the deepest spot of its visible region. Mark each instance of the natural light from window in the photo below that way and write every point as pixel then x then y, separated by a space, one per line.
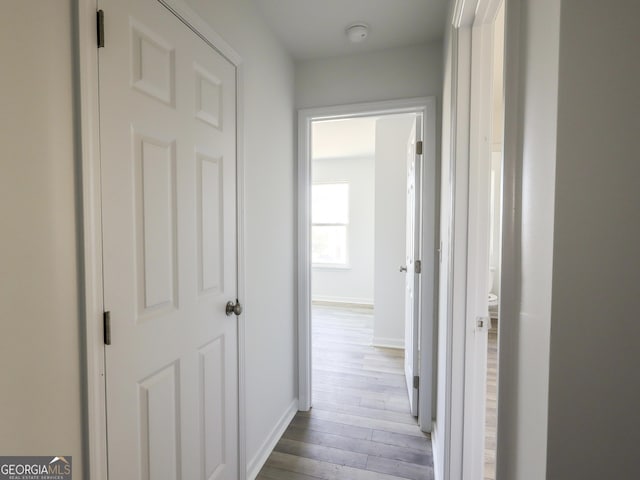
pixel 330 223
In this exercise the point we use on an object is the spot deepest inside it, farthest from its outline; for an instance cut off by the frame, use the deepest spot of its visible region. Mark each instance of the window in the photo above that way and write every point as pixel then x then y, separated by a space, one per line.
pixel 330 223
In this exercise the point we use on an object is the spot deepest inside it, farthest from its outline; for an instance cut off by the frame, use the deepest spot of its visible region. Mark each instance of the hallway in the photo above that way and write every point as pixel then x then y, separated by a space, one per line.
pixel 360 426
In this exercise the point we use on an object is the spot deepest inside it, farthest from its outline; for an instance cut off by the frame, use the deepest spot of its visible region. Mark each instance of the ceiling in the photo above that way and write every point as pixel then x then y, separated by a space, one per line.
pixel 311 29
pixel 344 138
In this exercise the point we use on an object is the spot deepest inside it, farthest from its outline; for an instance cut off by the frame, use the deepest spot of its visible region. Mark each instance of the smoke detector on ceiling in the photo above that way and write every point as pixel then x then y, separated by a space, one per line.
pixel 357 32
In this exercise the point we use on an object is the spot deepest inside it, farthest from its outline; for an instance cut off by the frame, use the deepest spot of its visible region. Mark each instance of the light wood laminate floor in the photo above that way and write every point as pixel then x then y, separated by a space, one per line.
pixel 491 412
pixel 360 427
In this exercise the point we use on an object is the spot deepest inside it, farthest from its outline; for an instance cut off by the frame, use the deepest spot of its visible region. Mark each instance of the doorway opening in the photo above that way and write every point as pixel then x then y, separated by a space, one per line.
pixel 464 310
pixel 495 246
pixel 357 271
pixel 484 264
pixel 358 246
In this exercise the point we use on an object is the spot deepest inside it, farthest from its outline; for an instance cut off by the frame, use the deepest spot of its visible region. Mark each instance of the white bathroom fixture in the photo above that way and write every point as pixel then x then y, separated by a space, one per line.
pixel 492 298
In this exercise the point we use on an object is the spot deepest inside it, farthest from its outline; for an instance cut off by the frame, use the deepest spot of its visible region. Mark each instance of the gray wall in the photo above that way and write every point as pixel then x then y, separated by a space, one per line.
pixel 594 386
pixel 271 343
pixel 40 377
pixel 569 392
pixel 385 75
pixel 525 324
pixel 353 284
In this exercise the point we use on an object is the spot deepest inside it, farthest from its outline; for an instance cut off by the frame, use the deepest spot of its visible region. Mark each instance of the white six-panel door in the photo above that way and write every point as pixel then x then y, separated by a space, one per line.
pixel 168 153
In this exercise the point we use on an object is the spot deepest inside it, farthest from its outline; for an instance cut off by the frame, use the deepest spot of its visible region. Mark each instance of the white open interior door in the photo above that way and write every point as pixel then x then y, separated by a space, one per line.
pixel 168 156
pixel 414 242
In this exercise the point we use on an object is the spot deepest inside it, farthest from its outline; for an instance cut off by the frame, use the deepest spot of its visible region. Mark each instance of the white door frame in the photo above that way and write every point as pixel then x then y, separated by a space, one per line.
pixel 478 321
pixel 88 142
pixel 471 40
pixel 426 106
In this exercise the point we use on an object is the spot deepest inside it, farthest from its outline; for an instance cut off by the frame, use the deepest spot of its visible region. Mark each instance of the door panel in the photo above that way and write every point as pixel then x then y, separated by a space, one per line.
pixel 414 242
pixel 159 420
pixel 168 155
pixel 155 192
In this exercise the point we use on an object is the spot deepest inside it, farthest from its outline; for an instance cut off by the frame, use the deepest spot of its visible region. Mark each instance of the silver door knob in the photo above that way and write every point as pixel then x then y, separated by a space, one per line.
pixel 403 268
pixel 233 307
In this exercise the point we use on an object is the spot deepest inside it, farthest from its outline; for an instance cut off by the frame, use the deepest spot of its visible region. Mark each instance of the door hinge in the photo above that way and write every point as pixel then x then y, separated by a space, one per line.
pixel 106 321
pixel 100 29
pixel 416 382
pixel 417 266
pixel 419 147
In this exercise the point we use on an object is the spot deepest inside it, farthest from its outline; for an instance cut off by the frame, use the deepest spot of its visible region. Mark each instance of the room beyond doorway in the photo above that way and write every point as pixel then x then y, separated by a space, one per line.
pixel 326 247
pixel 358 217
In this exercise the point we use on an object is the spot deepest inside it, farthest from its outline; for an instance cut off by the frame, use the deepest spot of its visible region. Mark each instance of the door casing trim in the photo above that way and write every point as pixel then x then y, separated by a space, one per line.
pixel 460 385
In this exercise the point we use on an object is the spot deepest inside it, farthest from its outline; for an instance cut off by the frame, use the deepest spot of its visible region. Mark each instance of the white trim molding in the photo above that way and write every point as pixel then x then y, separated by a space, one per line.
pixel 470 115
pixel 343 301
pixel 86 77
pixel 89 145
pixel 478 231
pixel 262 455
pixel 383 342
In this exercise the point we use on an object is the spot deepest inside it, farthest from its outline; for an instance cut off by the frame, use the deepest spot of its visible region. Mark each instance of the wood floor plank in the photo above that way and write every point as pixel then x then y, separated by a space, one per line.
pixel 328 387
pixel 377 378
pixel 389 403
pixel 418 456
pixel 324 453
pixel 491 419
pixel 271 473
pixel 400 469
pixel 422 442
pixel 319 425
pixel 324 470
pixel 358 421
pixel 328 365
pixel 360 411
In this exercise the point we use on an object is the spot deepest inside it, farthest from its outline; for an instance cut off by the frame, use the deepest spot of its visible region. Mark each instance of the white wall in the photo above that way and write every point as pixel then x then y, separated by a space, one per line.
pixel 392 135
pixel 355 284
pixel 385 75
pixel 41 401
pixel 269 211
pixel 594 391
pixel 533 28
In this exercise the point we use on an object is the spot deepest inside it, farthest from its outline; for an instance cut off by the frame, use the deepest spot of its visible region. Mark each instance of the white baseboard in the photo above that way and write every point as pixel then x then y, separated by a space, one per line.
pixel 259 459
pixel 350 300
pixel 388 342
